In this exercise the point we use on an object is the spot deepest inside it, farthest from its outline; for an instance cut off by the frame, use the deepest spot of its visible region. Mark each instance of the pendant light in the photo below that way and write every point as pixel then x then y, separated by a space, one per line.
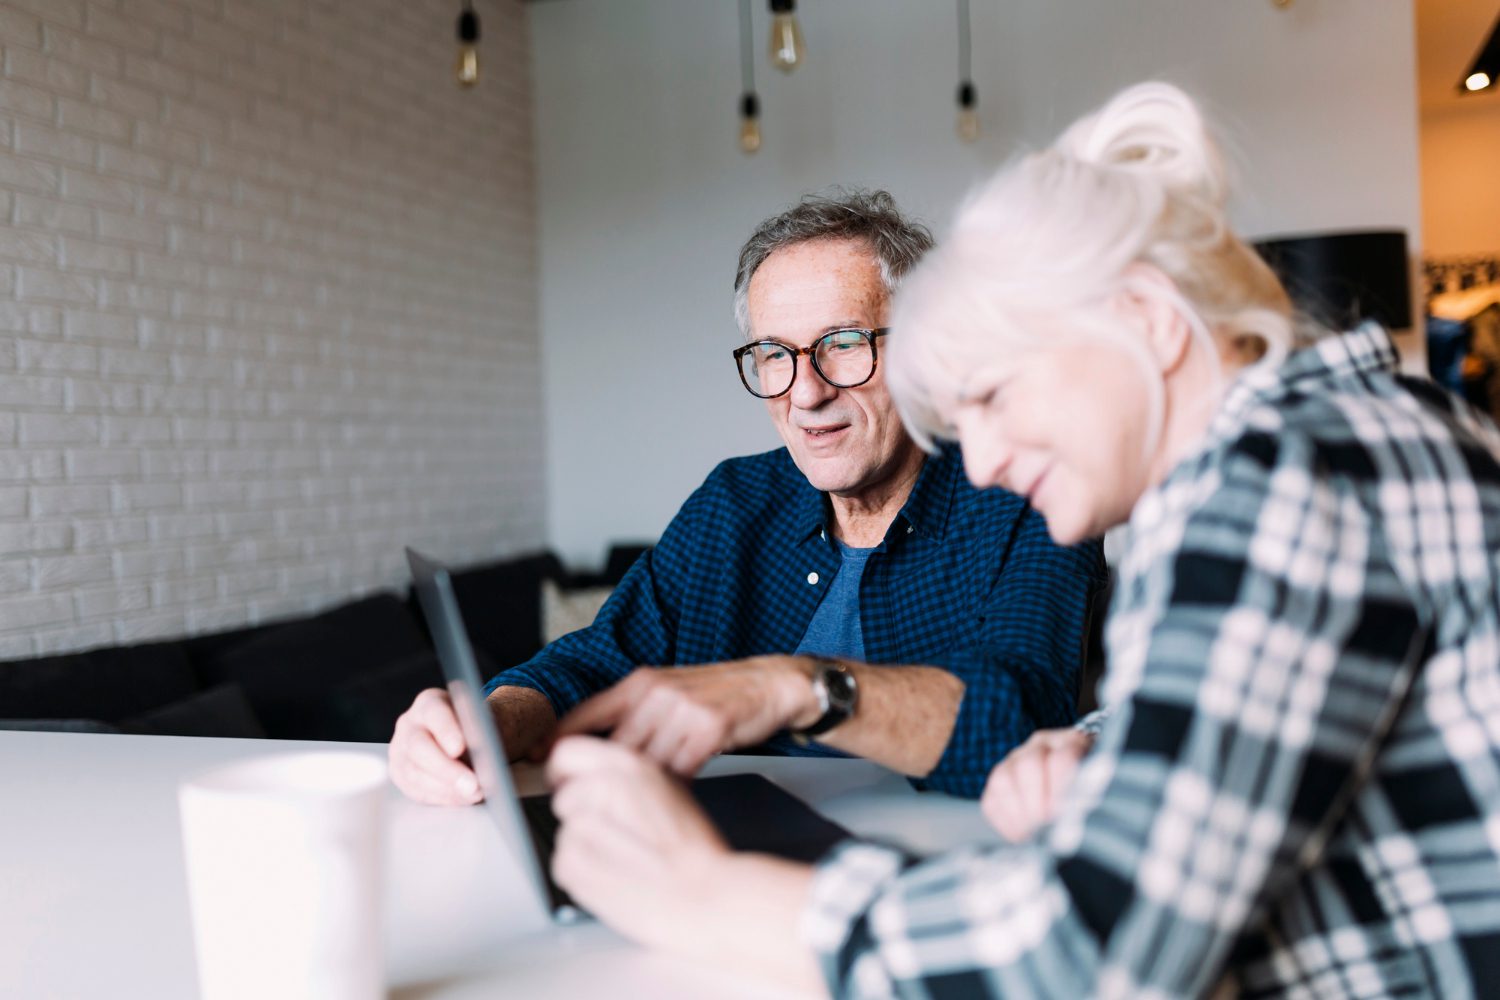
pixel 786 36
pixel 968 98
pixel 1485 69
pixel 749 102
pixel 467 69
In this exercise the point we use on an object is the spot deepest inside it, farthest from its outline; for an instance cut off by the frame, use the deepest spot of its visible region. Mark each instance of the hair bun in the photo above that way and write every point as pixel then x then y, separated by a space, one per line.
pixel 1151 130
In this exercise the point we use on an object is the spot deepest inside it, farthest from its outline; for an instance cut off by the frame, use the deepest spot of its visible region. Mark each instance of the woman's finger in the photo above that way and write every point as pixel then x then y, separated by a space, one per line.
pixel 999 802
pixel 1062 765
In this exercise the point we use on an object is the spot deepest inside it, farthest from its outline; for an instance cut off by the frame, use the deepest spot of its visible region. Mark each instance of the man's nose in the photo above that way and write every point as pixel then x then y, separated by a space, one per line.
pixel 809 390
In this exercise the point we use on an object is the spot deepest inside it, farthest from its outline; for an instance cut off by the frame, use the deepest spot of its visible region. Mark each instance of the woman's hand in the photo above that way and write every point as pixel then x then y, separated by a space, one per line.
pixel 1023 790
pixel 634 848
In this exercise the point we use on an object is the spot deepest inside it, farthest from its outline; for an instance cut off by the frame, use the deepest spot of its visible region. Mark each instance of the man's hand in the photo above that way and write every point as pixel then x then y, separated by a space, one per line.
pixel 634 848
pixel 1023 790
pixel 428 745
pixel 425 752
pixel 680 717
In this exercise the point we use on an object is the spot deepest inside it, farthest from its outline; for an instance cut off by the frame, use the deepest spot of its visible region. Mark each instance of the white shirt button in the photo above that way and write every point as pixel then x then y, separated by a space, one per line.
pixel 910 528
pixel 812 578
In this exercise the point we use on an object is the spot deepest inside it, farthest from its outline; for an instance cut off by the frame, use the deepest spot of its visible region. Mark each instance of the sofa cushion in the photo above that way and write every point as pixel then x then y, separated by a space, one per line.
pixel 501 604
pixel 290 672
pixel 57 726
pixel 103 684
pixel 204 650
pixel 571 609
pixel 367 706
pixel 621 558
pixel 220 711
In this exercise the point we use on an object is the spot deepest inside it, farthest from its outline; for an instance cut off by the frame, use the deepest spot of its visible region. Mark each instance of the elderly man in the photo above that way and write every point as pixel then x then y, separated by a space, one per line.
pixel 789 571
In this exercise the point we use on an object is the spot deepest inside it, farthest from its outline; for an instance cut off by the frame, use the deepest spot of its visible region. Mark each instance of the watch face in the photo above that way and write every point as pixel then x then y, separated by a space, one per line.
pixel 840 685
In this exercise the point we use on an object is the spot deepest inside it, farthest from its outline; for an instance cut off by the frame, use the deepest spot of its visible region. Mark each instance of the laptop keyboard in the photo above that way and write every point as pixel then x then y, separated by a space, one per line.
pixel 543 824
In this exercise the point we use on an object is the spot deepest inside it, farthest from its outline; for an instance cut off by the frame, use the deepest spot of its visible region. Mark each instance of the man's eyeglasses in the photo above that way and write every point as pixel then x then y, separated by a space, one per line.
pixel 842 358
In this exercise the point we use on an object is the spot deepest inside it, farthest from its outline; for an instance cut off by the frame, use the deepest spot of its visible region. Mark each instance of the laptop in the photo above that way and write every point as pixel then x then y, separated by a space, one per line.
pixel 751 812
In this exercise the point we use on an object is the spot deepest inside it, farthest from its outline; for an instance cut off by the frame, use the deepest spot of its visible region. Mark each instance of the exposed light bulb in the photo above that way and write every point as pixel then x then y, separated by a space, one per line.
pixel 968 112
pixel 467 68
pixel 1477 81
pixel 749 123
pixel 787 48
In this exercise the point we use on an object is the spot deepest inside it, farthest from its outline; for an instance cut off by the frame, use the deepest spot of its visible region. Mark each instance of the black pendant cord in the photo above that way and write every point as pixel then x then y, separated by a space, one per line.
pixel 747 53
pixel 964 67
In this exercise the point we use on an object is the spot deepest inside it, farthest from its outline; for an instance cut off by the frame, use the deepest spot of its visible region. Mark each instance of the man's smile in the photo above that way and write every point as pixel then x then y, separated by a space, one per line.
pixel 824 433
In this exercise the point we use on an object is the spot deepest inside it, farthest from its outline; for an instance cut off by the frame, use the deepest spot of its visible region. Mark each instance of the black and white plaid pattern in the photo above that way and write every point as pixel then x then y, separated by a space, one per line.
pixel 1297 789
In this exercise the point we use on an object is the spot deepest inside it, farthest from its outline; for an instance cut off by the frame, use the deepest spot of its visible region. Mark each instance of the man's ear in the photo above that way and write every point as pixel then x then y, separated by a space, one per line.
pixel 1149 301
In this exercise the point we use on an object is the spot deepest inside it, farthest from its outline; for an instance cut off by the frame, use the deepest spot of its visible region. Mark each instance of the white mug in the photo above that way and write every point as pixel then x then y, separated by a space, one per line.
pixel 284 871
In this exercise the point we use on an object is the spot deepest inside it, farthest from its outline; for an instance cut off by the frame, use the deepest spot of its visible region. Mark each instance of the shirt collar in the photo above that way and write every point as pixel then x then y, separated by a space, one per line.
pixel 810 506
pixel 1365 350
pixel 925 511
pixel 1361 351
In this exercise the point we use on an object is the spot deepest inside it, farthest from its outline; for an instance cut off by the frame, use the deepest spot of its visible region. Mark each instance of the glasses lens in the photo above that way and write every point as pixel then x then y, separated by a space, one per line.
pixel 845 357
pixel 767 368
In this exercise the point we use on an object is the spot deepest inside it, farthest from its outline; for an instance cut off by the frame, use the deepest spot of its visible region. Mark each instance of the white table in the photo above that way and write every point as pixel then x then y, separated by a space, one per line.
pixel 93 898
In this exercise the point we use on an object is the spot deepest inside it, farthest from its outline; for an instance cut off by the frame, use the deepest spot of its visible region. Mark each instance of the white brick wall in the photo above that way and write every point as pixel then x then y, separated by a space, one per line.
pixel 267 309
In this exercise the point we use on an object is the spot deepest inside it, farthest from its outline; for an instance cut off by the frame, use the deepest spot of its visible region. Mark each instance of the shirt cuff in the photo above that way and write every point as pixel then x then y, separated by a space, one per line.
pixel 992 720
pixel 1094 721
pixel 526 677
pixel 835 921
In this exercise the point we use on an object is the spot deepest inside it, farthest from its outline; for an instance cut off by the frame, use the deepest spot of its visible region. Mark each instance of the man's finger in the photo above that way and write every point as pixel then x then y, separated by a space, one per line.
pixel 430 766
pixel 693 754
pixel 645 718
pixel 669 738
pixel 434 791
pixel 599 714
pixel 438 717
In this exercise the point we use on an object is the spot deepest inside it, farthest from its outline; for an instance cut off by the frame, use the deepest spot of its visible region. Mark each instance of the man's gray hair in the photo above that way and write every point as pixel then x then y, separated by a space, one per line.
pixel 869 217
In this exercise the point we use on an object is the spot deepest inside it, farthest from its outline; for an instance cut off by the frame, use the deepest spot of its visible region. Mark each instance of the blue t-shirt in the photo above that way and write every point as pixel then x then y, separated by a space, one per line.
pixel 834 630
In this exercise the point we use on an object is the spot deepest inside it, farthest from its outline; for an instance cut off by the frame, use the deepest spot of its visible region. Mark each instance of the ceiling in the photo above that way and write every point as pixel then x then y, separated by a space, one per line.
pixel 1449 35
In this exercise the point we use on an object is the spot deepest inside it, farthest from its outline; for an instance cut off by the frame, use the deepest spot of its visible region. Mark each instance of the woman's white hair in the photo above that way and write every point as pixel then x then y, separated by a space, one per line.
pixel 1051 240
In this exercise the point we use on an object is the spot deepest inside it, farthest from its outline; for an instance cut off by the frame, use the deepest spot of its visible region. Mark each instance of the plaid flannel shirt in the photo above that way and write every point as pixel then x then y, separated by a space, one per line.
pixel 1297 790
pixel 966 580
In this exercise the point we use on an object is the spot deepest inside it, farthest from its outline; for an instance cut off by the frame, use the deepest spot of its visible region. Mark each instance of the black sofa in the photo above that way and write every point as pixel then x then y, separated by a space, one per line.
pixel 343 674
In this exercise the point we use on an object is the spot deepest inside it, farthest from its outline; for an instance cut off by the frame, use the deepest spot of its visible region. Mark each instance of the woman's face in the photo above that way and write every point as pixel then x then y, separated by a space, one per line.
pixel 1064 426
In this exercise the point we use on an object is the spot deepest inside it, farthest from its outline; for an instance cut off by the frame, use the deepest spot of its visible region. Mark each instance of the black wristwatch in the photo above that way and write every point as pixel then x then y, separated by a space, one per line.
pixel 837 692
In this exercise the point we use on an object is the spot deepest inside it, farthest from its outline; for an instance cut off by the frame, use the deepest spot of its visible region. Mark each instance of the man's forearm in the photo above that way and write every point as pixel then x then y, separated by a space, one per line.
pixel 525 718
pixel 903 720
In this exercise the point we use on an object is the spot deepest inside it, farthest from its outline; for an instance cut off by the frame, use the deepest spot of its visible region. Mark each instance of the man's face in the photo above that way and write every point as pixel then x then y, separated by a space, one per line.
pixel 845 441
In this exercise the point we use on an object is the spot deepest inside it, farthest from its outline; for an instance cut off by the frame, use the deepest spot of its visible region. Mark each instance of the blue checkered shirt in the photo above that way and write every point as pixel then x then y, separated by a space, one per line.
pixel 1296 791
pixel 966 580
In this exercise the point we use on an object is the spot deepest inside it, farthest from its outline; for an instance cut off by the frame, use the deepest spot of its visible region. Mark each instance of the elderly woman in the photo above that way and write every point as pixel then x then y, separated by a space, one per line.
pixel 1296 790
